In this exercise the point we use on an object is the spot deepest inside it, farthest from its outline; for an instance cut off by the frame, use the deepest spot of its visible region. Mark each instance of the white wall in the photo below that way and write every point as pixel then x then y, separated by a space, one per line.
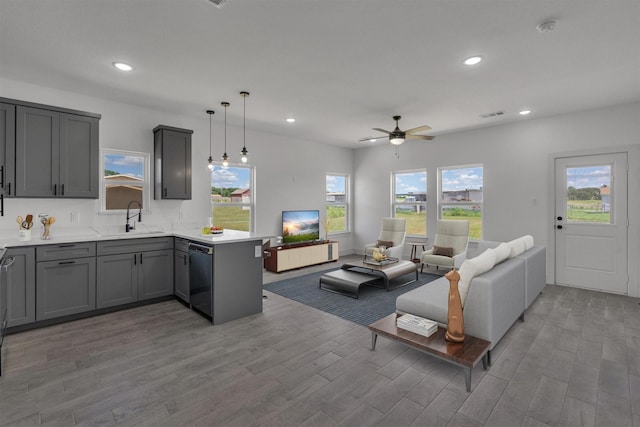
pixel 517 171
pixel 290 173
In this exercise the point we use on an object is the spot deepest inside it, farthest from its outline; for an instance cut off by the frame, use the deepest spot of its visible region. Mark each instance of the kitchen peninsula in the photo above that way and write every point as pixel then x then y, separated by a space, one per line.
pixel 94 271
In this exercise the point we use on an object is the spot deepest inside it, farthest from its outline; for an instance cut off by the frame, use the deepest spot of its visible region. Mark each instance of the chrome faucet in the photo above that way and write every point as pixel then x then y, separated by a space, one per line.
pixel 128 227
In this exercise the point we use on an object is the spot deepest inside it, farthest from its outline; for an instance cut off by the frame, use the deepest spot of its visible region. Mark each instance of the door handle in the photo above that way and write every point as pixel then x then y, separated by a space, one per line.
pixel 55 189
pixel 185 259
pixel 63 189
pixel 135 259
pixel 559 227
pixel 140 259
pixel 165 192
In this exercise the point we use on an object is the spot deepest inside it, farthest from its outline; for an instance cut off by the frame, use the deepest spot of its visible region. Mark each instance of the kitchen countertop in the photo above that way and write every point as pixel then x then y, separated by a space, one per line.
pixel 88 234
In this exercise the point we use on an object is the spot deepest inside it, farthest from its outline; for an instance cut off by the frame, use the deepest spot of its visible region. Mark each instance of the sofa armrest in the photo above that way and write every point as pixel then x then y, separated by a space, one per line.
pixel 495 301
pixel 459 259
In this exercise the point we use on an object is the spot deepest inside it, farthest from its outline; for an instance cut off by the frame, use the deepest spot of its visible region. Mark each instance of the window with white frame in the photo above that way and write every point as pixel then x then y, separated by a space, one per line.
pixel 409 200
pixel 337 204
pixel 461 196
pixel 232 197
pixel 125 179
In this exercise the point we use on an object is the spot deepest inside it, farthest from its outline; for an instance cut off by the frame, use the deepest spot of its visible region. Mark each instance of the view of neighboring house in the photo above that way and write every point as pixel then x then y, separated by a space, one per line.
pixel 468 195
pixel 241 195
pixel 119 194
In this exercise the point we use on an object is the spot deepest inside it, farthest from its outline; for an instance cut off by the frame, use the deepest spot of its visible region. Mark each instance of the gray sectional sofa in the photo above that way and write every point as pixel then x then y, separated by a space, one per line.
pixel 495 298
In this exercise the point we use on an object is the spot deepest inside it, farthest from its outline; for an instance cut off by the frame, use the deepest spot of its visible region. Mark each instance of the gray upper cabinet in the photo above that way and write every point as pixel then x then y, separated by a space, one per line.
pixel 56 153
pixel 21 287
pixel 7 148
pixel 172 148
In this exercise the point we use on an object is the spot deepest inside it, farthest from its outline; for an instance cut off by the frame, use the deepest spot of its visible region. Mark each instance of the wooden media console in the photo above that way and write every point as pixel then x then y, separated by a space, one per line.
pixel 285 258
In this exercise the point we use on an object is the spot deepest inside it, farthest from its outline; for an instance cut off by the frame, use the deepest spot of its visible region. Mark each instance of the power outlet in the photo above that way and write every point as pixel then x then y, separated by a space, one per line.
pixel 258 250
pixel 74 217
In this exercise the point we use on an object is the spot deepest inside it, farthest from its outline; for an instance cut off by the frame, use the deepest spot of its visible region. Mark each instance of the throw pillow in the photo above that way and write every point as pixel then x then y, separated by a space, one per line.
pixel 385 243
pixel 440 250
pixel 503 251
pixel 474 267
pixel 517 247
pixel 528 242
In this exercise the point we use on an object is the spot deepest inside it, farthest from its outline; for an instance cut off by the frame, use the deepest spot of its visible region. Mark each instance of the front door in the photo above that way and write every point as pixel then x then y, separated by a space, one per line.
pixel 591 222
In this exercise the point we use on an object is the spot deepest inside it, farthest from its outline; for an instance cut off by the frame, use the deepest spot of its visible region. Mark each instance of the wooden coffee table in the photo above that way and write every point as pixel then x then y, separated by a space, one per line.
pixel 466 354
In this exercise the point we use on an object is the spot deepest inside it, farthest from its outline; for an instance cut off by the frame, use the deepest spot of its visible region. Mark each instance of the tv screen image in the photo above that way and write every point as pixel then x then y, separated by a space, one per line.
pixel 300 226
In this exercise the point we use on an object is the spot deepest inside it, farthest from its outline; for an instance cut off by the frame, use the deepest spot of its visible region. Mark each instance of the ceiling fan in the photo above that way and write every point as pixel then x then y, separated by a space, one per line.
pixel 397 136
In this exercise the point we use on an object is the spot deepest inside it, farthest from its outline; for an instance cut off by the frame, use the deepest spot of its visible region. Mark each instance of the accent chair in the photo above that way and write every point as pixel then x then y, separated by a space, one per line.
pixel 449 246
pixel 393 230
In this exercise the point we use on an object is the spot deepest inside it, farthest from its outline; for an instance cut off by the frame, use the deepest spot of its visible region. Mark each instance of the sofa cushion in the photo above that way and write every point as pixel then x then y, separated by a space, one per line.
pixel 440 250
pixel 430 301
pixel 474 267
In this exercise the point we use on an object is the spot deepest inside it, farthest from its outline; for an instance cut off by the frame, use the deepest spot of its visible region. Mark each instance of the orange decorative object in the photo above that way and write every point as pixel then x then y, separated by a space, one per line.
pixel 455 319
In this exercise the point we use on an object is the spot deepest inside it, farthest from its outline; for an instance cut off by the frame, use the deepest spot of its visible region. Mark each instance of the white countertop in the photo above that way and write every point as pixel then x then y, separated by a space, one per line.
pixel 88 234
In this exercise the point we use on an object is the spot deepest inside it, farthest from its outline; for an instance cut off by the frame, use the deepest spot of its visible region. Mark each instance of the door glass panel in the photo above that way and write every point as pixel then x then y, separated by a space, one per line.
pixel 589 194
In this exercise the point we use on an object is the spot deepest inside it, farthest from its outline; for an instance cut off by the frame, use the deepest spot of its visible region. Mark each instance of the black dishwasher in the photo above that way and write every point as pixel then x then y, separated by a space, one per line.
pixel 201 278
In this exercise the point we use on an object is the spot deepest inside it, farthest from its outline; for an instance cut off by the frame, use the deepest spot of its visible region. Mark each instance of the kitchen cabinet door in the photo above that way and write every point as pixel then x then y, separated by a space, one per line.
pixel 56 154
pixel 21 287
pixel 155 274
pixel 7 148
pixel 117 280
pixel 65 287
pixel 172 153
pixel 78 156
pixel 181 280
pixel 37 152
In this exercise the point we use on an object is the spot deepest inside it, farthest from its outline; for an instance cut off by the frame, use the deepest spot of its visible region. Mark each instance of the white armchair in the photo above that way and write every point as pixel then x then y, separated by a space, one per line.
pixel 449 246
pixel 393 230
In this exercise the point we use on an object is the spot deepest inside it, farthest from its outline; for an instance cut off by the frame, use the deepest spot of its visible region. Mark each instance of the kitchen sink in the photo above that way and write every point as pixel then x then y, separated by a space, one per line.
pixel 118 231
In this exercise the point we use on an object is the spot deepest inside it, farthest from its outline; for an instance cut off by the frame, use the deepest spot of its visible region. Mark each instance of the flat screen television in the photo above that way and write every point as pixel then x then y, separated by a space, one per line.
pixel 300 226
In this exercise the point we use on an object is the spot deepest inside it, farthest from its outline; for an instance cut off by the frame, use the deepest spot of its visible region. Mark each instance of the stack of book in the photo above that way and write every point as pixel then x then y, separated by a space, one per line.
pixel 417 325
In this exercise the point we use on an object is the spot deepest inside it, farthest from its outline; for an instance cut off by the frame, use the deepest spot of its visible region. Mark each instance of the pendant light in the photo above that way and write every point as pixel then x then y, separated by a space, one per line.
pixel 244 151
pixel 225 157
pixel 210 160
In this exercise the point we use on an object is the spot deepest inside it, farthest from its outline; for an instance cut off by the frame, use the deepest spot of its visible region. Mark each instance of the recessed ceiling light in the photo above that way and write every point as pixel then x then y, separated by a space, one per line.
pixel 122 66
pixel 525 112
pixel 473 60
pixel 290 120
pixel 372 139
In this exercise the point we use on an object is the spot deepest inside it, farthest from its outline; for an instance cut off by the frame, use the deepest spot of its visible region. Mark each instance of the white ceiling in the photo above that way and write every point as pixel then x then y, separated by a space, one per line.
pixel 340 67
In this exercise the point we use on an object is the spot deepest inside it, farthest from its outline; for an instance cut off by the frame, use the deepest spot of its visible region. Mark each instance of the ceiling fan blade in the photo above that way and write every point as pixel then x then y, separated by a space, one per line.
pixel 374 138
pixel 423 137
pixel 382 130
pixel 418 129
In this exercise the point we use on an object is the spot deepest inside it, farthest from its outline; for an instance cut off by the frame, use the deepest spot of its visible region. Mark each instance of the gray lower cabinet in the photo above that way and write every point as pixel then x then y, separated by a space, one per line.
pixel 117 280
pixel 21 287
pixel 181 270
pixel 65 279
pixel 155 274
pixel 134 270
pixel 65 287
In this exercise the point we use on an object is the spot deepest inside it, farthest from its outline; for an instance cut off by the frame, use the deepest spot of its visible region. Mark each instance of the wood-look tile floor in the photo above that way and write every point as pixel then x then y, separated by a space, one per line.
pixel 575 361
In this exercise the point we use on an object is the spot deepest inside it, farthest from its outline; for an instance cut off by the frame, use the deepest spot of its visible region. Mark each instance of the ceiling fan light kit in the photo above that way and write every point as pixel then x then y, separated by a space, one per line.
pixel 397 136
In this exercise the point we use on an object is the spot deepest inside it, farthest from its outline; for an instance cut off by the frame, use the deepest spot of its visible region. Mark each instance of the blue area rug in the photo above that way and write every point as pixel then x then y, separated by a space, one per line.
pixel 372 304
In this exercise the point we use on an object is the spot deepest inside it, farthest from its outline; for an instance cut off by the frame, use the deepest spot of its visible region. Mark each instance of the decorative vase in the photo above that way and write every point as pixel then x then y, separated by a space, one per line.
pixel 455 319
